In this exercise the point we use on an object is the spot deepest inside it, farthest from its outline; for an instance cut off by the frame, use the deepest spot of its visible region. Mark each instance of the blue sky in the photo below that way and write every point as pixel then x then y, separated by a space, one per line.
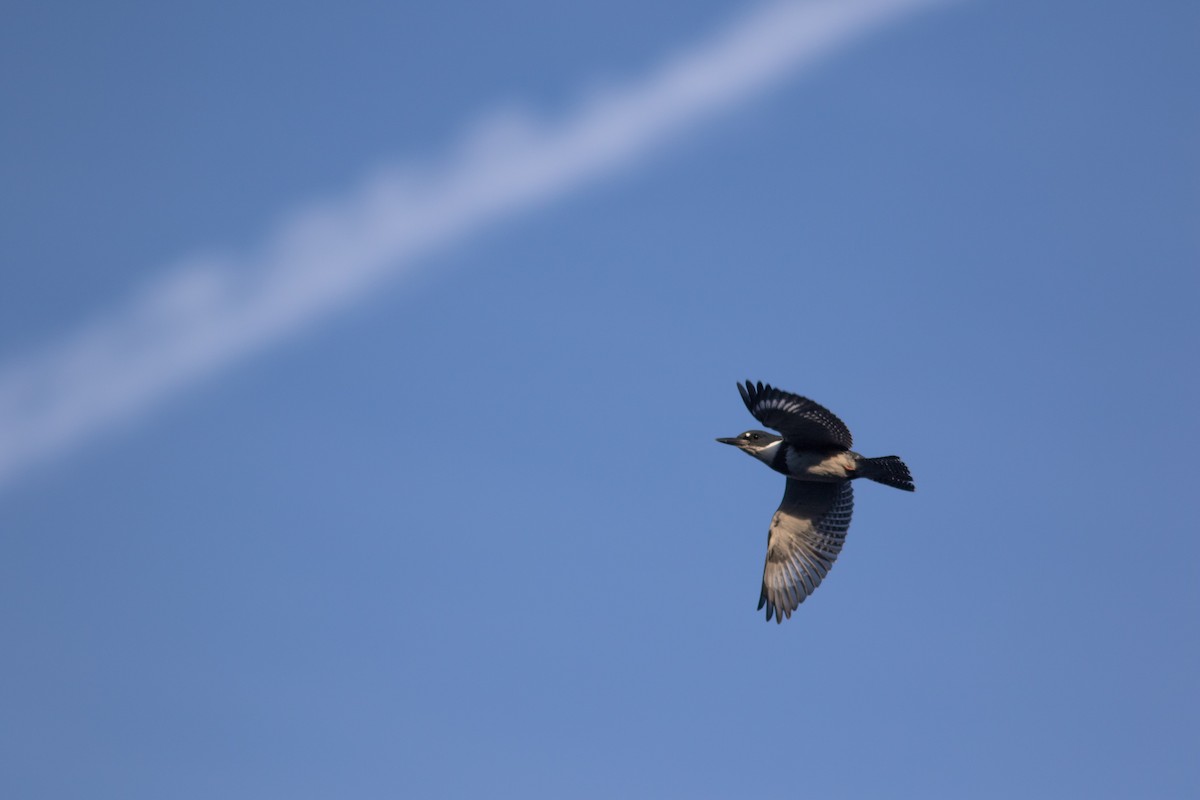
pixel 449 520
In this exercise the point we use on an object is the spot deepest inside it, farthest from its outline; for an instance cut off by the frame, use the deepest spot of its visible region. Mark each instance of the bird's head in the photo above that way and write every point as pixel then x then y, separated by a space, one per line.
pixel 759 444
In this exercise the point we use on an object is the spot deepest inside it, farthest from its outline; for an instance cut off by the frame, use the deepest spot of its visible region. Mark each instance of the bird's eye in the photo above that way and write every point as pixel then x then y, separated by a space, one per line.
pixel 754 436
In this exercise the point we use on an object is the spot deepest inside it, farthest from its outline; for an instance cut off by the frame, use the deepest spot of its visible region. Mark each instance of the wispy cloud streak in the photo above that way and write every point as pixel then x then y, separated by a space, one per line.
pixel 207 314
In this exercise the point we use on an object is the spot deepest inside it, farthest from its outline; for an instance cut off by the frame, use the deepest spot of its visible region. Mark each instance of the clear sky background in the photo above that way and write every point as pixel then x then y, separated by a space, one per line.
pixel 463 530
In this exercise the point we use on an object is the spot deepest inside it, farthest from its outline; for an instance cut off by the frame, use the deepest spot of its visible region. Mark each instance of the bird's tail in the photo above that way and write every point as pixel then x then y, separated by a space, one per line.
pixel 888 470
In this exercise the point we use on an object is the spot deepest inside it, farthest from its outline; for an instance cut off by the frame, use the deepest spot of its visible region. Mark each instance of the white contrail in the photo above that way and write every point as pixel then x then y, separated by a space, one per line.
pixel 206 314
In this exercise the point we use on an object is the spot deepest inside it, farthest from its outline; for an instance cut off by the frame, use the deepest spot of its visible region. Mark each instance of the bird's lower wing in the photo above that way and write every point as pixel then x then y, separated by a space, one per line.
pixel 807 533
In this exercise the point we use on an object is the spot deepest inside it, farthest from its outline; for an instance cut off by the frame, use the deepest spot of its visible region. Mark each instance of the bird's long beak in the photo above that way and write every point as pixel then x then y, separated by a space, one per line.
pixel 734 442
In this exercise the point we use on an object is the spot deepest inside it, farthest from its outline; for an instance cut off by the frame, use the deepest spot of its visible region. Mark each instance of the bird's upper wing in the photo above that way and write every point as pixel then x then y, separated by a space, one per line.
pixel 800 420
pixel 806 536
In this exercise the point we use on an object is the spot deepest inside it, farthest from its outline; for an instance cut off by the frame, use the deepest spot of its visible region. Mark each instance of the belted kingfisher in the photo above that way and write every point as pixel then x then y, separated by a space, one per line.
pixel 808 530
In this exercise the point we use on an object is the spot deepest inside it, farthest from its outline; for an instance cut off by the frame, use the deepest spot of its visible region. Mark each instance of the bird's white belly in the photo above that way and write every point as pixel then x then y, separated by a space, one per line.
pixel 815 466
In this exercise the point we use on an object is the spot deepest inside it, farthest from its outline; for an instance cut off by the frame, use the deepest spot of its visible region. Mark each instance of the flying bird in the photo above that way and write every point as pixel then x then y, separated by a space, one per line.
pixel 808 530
